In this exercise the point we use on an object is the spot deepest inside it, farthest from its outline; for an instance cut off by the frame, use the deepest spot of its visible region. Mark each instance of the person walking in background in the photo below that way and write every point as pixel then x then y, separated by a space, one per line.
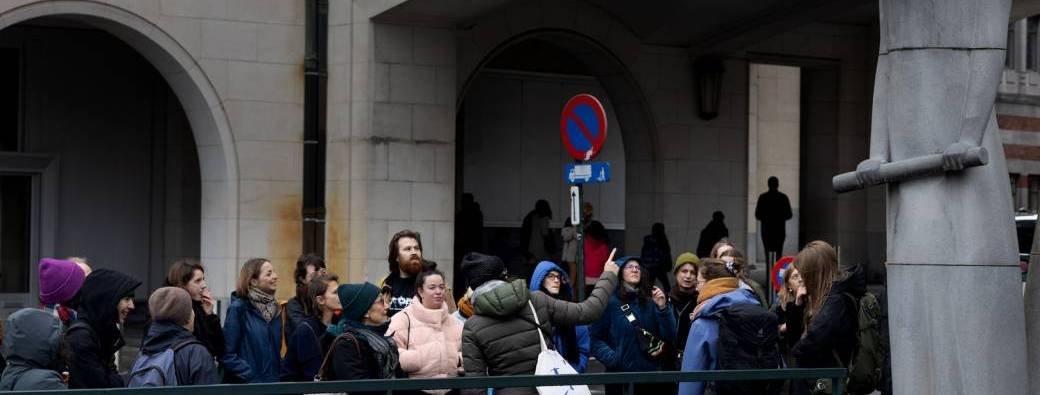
pixel 60 283
pixel 832 317
pixel 305 348
pixel 33 352
pixel 683 299
pixel 656 256
pixel 107 298
pixel 711 234
pixel 636 324
pixel 596 250
pixel 500 337
pixel 253 328
pixel 572 341
pixel 191 277
pixel 469 234
pixel 307 266
pixel 172 322
pixel 537 240
pixel 359 350
pixel 773 210
pixel 428 337
pixel 569 254
pixel 406 261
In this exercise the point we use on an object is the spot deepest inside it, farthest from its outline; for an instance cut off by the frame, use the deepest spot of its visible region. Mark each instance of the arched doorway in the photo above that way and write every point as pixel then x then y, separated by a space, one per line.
pixel 207 216
pixel 509 108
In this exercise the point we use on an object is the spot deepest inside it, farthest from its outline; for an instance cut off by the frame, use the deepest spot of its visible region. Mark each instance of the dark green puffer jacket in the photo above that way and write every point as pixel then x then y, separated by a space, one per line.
pixel 500 338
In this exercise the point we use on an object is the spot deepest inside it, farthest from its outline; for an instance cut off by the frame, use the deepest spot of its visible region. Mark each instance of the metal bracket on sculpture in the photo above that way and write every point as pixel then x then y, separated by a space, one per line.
pixel 906 169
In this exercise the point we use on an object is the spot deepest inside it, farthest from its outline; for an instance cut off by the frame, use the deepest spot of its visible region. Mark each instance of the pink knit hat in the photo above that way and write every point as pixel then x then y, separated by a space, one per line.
pixel 59 280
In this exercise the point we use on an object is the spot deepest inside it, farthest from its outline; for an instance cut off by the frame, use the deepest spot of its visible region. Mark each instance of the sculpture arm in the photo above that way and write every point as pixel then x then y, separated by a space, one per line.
pixel 984 76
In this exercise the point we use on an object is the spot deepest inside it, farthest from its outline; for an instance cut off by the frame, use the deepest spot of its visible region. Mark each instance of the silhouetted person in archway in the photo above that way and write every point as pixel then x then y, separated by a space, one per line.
pixel 773 209
pixel 469 236
pixel 711 234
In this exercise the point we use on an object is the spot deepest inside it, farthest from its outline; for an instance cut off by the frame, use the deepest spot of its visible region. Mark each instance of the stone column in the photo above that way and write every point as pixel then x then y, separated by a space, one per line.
pixel 1022 191
pixel 956 313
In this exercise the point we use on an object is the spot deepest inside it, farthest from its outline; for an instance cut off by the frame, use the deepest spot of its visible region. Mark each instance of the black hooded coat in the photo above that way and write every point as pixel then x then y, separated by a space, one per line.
pixel 94 337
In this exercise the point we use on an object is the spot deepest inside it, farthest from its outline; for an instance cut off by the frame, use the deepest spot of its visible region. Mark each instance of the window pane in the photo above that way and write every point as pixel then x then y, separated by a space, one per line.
pixel 10 92
pixel 15 200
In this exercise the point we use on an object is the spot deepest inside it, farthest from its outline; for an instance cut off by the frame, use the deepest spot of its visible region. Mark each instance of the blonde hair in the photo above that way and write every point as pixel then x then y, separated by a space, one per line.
pixel 787 293
pixel 724 242
pixel 818 265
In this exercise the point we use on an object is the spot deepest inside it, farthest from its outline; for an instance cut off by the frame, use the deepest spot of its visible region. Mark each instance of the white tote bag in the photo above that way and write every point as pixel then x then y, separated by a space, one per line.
pixel 552 363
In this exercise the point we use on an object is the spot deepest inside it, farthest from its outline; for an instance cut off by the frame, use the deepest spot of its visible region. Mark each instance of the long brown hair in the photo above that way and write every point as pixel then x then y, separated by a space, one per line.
pixel 391 259
pixel 724 242
pixel 182 271
pixel 250 271
pixel 315 288
pixel 713 268
pixel 818 265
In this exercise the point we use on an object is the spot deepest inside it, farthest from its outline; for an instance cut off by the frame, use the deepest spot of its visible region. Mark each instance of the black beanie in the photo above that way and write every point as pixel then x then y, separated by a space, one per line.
pixel 479 269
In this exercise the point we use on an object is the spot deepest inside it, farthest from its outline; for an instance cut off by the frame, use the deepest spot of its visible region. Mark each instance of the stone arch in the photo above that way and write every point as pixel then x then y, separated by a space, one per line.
pixel 609 50
pixel 202 106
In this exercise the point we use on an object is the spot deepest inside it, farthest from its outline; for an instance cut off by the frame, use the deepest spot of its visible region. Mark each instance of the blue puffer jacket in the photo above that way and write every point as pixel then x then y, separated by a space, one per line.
pixel 614 340
pixel 581 332
pixel 702 343
pixel 253 345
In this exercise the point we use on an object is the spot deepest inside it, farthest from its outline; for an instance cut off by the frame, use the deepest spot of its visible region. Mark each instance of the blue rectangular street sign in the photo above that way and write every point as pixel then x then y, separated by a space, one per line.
pixel 590 172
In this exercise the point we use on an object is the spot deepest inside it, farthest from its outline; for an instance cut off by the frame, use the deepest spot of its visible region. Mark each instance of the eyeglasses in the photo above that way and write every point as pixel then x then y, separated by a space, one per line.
pixel 552 276
pixel 632 268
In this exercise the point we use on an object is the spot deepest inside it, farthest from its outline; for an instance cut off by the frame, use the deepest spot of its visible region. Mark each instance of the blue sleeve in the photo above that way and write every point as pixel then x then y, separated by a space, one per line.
pixel 600 342
pixel 234 331
pixel 582 334
pixel 666 323
pixel 700 353
pixel 310 355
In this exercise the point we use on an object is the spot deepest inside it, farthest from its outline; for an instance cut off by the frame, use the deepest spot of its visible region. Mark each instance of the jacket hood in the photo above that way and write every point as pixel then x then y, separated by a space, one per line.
pixel 32 338
pixel 855 284
pixel 543 270
pixel 162 335
pixel 718 302
pixel 100 296
pixel 498 298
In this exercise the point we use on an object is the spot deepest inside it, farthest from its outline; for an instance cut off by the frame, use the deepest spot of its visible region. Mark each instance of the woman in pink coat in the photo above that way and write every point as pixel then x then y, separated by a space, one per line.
pixel 428 336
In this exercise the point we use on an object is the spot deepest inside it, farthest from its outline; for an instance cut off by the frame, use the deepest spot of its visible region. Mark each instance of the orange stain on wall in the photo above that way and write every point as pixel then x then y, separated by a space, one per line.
pixel 284 241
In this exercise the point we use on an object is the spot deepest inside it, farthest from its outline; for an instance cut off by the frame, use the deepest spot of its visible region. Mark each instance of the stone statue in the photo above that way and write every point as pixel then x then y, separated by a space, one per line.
pixel 957 324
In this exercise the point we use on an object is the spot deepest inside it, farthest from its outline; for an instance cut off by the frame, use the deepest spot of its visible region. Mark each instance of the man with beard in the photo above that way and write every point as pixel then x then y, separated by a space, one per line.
pixel 405 259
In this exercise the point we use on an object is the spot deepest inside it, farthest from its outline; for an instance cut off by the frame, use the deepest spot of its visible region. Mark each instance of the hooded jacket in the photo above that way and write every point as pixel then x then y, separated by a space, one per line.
pixel 701 352
pixel 581 332
pixel 94 337
pixel 835 325
pixel 252 344
pixel 429 342
pixel 614 340
pixel 500 338
pixel 192 362
pixel 31 346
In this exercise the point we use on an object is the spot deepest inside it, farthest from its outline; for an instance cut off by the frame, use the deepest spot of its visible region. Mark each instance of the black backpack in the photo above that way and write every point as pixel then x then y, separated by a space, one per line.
pixel 748 336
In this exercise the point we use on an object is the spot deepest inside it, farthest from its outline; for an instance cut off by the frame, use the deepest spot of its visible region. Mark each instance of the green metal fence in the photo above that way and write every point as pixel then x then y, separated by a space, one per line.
pixel 836 375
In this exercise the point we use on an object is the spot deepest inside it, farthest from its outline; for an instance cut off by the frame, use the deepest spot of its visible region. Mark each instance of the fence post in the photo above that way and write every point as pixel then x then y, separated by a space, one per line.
pixel 630 388
pixel 837 384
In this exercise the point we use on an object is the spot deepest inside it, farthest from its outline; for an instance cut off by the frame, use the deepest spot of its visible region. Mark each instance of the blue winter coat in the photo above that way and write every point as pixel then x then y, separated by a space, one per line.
pixel 701 351
pixel 614 340
pixel 253 345
pixel 581 332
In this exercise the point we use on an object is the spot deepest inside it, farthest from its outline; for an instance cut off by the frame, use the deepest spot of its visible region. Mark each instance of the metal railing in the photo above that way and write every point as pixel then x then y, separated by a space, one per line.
pixel 836 375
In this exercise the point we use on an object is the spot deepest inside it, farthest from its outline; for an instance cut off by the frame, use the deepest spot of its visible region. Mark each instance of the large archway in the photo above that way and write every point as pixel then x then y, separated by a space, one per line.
pixel 202 107
pixel 567 60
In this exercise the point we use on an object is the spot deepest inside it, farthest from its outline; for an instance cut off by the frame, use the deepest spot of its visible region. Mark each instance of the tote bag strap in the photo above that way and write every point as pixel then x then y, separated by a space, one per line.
pixel 538 325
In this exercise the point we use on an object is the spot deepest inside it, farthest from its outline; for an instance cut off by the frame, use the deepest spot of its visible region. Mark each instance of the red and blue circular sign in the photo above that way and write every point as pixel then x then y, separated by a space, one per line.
pixel 777 272
pixel 583 126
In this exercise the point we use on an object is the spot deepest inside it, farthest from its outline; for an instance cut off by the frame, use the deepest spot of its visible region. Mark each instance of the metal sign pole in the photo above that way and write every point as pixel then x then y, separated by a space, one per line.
pixel 580 256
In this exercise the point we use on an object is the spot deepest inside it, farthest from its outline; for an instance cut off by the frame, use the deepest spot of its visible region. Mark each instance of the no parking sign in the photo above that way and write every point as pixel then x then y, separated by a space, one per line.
pixel 583 126
pixel 776 274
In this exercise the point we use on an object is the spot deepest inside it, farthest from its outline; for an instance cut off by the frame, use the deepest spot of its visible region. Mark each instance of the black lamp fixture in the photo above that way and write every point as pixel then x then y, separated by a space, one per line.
pixel 707 80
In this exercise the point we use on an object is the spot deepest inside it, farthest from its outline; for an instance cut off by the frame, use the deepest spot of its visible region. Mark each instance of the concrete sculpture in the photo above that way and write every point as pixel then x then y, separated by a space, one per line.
pixel 956 312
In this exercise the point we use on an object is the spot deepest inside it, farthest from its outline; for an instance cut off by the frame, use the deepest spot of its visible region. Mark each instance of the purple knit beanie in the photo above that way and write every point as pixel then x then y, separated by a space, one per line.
pixel 59 280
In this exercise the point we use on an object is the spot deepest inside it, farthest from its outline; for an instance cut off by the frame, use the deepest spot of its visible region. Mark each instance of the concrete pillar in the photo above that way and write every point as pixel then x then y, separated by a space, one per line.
pixel 1022 191
pixel 1021 32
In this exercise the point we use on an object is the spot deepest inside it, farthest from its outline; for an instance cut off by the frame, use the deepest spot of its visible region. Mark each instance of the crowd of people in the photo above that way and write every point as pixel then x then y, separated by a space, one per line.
pixel 410 325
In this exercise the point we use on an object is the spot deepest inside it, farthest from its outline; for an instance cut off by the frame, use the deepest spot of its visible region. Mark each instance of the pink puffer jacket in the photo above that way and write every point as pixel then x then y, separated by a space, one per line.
pixel 429 341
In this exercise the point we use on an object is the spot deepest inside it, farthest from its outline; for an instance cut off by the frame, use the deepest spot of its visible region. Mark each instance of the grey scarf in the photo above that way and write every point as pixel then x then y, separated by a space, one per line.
pixel 264 302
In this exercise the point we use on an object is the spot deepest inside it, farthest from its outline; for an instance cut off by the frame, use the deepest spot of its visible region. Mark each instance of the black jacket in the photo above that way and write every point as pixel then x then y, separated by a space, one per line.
pixel 305 349
pixel 294 315
pixel 207 330
pixel 833 329
pixel 682 306
pixel 93 338
pixel 355 360
pixel 193 362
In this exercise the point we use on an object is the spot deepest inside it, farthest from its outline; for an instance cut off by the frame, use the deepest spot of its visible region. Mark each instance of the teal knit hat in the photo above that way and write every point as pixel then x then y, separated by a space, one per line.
pixel 356 299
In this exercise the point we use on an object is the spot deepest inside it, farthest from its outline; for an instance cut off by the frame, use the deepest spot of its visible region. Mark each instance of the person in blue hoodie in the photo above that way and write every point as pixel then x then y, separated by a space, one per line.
pixel 571 341
pixel 253 327
pixel 718 288
pixel 615 341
